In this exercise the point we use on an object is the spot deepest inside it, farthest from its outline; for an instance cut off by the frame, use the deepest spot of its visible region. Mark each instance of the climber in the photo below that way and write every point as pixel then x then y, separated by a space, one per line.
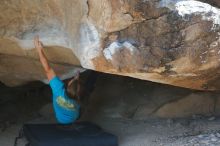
pixel 65 100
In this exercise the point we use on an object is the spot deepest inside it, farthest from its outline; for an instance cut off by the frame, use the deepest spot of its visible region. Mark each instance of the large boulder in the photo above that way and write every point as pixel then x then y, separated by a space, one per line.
pixel 194 104
pixel 168 41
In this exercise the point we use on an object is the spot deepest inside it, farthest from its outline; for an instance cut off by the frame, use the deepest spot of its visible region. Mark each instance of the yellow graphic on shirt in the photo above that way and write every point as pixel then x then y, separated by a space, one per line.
pixel 64 103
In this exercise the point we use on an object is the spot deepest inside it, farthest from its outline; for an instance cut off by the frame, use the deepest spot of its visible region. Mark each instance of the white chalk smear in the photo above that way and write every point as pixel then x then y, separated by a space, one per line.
pixel 110 51
pixel 50 36
pixel 188 7
pixel 129 46
pixel 89 47
pixel 116 46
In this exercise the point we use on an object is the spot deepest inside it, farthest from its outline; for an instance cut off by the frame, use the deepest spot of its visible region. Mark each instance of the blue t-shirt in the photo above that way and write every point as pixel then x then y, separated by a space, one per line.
pixel 66 109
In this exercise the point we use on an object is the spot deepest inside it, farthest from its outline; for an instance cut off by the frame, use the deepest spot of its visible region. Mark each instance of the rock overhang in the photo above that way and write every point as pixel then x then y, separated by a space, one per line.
pixel 171 42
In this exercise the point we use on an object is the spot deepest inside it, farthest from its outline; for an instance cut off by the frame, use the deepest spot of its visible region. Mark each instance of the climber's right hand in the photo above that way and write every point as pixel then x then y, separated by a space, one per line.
pixel 38 44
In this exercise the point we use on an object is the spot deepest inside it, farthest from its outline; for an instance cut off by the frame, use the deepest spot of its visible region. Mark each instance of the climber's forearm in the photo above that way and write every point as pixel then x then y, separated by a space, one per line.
pixel 48 70
pixel 43 60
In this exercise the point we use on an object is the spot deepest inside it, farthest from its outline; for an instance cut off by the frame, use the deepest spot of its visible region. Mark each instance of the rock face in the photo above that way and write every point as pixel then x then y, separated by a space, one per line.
pixel 168 41
pixel 141 100
pixel 191 105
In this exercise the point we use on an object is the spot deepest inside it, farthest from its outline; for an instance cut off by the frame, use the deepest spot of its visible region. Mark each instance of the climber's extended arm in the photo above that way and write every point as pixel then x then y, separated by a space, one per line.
pixel 43 59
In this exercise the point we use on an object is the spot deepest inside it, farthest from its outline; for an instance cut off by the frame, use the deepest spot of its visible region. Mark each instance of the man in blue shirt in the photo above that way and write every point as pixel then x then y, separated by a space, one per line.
pixel 66 108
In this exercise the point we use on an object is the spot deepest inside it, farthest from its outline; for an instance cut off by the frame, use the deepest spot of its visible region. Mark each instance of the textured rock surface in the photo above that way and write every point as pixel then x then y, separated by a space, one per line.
pixel 140 100
pixel 193 104
pixel 168 41
pixel 20 21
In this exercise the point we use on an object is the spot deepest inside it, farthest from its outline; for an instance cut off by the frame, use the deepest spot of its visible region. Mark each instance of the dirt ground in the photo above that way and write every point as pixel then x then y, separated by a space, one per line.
pixel 117 108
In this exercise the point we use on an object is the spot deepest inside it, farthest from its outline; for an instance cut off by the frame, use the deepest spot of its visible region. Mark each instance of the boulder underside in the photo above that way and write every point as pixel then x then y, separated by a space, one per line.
pixel 174 42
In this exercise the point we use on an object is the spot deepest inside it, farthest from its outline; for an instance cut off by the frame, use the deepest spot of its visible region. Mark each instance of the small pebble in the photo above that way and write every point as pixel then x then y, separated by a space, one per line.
pixel 211 118
pixel 204 142
pixel 200 136
pixel 214 139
